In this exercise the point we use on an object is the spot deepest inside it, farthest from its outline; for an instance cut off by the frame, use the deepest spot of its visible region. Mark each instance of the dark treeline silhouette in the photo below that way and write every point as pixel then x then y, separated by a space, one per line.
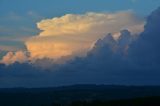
pixel 148 101
pixel 78 94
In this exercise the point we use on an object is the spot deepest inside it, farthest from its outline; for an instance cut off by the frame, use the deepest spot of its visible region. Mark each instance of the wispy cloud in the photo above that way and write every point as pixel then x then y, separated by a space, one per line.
pixel 34 15
pixel 9 48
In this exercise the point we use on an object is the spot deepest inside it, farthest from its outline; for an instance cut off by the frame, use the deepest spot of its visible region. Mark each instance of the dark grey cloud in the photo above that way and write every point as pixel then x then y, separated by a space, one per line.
pixel 146 50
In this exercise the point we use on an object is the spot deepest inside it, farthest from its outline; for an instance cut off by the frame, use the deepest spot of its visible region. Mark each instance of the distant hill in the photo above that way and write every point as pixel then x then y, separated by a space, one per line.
pixel 71 94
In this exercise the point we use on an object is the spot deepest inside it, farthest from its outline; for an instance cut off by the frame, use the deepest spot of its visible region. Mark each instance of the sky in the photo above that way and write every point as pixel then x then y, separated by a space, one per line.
pixel 88 41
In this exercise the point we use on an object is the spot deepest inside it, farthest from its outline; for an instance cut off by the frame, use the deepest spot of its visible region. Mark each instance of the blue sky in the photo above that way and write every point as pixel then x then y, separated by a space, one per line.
pixel 59 7
pixel 19 17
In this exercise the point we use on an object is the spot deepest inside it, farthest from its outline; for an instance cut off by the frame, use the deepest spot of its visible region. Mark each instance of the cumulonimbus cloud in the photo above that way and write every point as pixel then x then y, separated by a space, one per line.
pixel 72 33
pixel 75 34
pixel 102 65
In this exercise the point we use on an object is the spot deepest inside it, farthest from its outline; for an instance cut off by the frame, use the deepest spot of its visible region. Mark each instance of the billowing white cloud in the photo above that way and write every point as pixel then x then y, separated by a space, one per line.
pixel 75 34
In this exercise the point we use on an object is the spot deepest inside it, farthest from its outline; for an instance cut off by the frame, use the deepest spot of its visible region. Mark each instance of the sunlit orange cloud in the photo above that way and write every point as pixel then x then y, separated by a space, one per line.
pixel 12 57
pixel 75 34
pixel 72 33
pixel 54 50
